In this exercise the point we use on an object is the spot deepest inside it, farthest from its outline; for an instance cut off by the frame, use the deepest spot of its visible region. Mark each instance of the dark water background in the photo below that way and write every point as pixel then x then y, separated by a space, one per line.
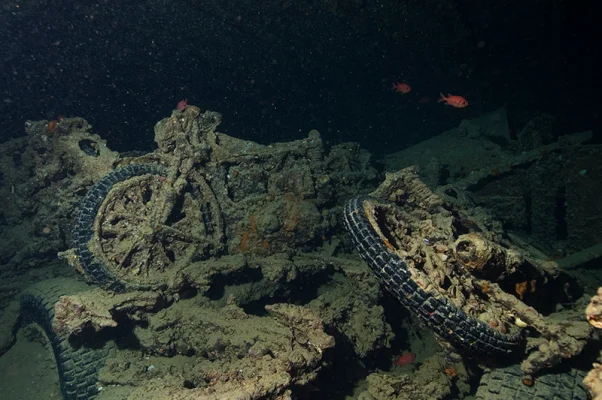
pixel 276 69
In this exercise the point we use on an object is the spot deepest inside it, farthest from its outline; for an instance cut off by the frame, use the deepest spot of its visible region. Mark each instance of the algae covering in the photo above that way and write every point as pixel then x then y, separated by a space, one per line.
pixel 218 268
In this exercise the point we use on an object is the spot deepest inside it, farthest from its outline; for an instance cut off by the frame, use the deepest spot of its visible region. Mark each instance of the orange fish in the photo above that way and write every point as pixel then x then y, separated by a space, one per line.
pixel 454 101
pixel 402 87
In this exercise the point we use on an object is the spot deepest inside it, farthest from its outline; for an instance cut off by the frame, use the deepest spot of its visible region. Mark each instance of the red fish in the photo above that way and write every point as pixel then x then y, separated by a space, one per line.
pixel 454 101
pixel 182 105
pixel 402 87
pixel 406 359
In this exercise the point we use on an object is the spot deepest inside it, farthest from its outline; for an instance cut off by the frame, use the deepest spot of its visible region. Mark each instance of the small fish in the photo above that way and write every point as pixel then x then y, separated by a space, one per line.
pixel 405 359
pixel 454 101
pixel 182 105
pixel 402 87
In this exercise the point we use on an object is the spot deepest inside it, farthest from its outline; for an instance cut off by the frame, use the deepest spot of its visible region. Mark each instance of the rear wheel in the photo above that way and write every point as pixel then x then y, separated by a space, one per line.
pixel 78 363
pixel 507 383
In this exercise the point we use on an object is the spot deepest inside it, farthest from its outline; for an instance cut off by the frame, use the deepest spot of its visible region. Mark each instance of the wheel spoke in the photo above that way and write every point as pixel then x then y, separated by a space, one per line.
pixel 126 258
pixel 161 259
pixel 169 231
pixel 142 266
pixel 113 231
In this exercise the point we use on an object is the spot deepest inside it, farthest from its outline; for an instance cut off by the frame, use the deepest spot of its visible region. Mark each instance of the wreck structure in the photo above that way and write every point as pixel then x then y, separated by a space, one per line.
pixel 215 267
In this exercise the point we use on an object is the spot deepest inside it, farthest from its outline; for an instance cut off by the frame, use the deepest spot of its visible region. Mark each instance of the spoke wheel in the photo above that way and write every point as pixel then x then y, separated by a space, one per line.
pixel 145 231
